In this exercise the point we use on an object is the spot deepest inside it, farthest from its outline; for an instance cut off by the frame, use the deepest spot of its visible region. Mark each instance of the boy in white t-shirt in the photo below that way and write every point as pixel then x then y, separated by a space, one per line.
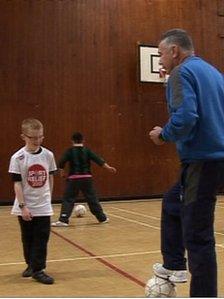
pixel 32 168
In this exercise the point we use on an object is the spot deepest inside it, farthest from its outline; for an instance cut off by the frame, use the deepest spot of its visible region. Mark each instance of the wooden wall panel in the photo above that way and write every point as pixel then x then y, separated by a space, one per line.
pixel 74 65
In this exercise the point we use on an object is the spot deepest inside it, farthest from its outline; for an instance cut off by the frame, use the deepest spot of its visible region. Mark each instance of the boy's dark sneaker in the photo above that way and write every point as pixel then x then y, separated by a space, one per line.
pixel 105 221
pixel 42 277
pixel 27 272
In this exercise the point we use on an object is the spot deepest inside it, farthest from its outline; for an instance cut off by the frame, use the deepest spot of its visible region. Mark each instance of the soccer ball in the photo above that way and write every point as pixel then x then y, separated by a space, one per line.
pixel 160 288
pixel 80 210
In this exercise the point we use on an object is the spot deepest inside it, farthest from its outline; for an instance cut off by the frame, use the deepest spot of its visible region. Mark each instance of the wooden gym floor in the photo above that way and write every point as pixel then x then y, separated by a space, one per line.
pixel 89 259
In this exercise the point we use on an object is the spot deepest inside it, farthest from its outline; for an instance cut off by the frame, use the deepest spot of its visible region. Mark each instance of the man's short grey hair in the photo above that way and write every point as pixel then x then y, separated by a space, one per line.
pixel 178 37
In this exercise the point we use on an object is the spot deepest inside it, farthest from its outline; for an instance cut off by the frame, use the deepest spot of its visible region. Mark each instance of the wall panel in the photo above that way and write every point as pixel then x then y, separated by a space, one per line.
pixel 73 64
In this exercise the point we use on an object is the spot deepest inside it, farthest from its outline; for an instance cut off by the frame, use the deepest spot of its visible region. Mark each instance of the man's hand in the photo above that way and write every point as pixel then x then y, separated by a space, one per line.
pixel 154 135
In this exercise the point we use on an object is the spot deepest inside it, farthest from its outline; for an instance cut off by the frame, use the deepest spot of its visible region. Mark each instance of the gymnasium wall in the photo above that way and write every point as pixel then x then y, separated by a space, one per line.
pixel 73 64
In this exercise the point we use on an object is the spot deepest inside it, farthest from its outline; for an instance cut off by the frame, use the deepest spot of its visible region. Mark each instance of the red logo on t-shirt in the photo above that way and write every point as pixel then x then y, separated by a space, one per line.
pixel 37 176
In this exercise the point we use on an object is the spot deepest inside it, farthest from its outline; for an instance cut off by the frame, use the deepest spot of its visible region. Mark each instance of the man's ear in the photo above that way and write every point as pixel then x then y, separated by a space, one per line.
pixel 175 51
pixel 22 137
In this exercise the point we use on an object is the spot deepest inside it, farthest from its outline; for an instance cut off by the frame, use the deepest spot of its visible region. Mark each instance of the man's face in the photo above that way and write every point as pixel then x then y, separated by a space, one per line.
pixel 167 56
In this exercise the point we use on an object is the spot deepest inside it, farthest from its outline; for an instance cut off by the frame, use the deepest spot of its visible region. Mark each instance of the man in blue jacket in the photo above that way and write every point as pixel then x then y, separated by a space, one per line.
pixel 195 97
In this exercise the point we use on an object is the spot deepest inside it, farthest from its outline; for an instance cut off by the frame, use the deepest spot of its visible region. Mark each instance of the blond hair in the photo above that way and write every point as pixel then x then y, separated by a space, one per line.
pixel 31 124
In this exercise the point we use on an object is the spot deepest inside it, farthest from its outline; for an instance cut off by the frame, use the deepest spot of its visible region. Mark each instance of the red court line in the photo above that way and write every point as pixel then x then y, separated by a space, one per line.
pixel 101 260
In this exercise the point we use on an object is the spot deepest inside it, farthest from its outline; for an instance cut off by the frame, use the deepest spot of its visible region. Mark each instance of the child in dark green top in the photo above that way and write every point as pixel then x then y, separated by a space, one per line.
pixel 80 179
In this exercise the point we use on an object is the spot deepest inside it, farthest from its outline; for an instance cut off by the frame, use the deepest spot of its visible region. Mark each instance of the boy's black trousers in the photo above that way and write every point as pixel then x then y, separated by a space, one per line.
pixel 73 187
pixel 35 235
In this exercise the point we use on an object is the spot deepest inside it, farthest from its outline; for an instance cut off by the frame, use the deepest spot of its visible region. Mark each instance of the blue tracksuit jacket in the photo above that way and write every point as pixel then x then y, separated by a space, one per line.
pixel 195 97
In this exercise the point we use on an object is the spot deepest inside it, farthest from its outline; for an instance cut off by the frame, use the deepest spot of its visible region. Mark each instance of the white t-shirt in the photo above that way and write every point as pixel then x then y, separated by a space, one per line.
pixel 34 170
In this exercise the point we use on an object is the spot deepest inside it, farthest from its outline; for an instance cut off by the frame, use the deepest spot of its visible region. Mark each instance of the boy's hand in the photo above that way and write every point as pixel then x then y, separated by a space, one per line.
pixel 26 215
pixel 112 169
pixel 63 173
pixel 109 168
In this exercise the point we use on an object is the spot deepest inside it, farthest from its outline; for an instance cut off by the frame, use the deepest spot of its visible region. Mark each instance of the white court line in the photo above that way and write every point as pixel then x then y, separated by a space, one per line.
pixel 220 206
pixel 114 255
pixel 95 257
pixel 146 224
pixel 147 216
pixel 219 245
pixel 89 257
pixel 135 213
pixel 155 227
pixel 134 221
pixel 221 234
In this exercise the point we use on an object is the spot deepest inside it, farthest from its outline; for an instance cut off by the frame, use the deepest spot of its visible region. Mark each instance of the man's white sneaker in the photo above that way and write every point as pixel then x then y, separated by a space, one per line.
pixel 175 276
pixel 59 224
